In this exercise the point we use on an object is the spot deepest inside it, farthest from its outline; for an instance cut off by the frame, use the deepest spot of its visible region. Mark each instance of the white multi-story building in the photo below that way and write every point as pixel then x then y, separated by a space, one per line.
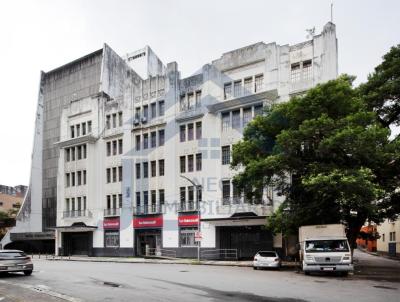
pixel 144 158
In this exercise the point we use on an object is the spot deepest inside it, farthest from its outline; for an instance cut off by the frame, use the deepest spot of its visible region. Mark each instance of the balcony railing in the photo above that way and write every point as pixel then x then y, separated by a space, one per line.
pixel 113 212
pixel 189 206
pixel 242 200
pixel 148 210
pixel 77 214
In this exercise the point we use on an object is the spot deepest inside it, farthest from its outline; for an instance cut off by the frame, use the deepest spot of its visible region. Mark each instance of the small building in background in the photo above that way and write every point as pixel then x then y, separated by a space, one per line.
pixel 11 198
pixel 368 238
pixel 389 241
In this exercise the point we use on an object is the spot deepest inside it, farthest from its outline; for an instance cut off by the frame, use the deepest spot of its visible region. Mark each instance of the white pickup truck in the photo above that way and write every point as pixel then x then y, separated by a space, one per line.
pixel 324 248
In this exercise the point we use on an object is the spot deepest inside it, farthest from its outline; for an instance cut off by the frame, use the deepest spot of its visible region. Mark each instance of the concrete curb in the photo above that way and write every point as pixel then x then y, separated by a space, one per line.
pixel 160 261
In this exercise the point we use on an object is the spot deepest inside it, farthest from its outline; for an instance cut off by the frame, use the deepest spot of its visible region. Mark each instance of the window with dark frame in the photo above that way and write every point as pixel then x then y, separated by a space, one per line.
pixel 190 163
pixel 161 196
pixel 226 192
pixel 153 168
pixel 153 139
pixel 227 90
pixel 161 137
pixel 137 170
pixel 198 130
pixel 120 121
pixel 153 110
pixel 182 133
pixel 259 83
pixel 226 155
pixel 161 108
pixel 145 170
pixel 183 164
pixel 161 167
pixel 120 146
pixel 199 162
pixel 137 142
pixel 190 132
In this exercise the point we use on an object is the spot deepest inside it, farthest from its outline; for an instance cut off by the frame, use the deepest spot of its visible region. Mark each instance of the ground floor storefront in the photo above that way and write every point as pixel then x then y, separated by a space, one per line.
pixel 235 238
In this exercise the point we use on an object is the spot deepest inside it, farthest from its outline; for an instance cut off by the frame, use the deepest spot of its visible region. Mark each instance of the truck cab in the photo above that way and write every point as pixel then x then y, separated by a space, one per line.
pixel 323 253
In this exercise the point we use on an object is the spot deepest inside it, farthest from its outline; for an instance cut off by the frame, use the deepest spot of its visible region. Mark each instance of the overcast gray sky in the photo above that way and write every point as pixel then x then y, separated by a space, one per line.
pixel 44 34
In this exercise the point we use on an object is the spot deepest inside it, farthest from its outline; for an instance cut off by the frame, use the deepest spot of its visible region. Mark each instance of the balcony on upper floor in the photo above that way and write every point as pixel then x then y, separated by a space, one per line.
pixel 112 212
pixel 67 142
pixel 151 209
pixel 77 214
pixel 188 206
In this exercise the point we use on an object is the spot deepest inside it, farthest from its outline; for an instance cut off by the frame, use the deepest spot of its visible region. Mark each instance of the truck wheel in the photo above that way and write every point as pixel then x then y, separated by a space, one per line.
pixel 27 273
pixel 255 267
pixel 345 274
pixel 307 273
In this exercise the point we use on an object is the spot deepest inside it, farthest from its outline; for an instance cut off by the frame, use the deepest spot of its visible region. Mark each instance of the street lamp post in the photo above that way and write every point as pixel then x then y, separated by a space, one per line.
pixel 198 211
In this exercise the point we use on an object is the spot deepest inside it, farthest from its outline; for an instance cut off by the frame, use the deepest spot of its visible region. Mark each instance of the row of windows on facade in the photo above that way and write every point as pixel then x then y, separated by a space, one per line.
pixel 301 71
pixel 153 140
pixel 76 153
pixel 142 201
pixel 114 147
pixel 153 169
pixel 186 132
pixel 186 237
pixel 244 86
pixel 75 204
pixel 187 201
pixel 190 100
pixel 156 109
pixel 111 120
pixel 239 118
pixel 114 174
pixel 392 236
pixel 190 163
pixel 77 178
pixel 114 201
pixel 236 196
pixel 75 130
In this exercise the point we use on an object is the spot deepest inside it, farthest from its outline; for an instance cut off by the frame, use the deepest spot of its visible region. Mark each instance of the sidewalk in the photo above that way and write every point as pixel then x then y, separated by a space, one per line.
pixel 377 254
pixel 153 260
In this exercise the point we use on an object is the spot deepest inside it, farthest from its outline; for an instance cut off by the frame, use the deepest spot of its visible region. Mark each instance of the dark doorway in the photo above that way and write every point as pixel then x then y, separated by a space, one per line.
pixel 248 240
pixel 150 238
pixel 77 243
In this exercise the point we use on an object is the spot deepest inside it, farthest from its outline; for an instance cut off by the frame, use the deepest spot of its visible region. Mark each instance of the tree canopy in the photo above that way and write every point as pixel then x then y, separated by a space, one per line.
pixel 328 153
pixel 382 90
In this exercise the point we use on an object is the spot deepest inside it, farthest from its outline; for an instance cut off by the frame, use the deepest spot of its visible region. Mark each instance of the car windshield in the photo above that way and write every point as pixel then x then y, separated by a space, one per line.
pixel 11 254
pixel 315 246
pixel 267 254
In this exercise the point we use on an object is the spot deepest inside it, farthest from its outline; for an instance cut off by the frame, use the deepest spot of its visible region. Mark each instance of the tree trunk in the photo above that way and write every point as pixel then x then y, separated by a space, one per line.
pixel 352 234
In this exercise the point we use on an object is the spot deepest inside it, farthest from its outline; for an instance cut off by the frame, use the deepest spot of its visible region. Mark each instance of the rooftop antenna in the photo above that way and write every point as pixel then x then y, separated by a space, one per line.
pixel 310 33
pixel 331 12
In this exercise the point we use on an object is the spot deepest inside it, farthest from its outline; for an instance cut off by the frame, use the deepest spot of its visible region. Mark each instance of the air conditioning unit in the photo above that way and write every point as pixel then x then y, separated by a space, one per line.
pixel 144 120
pixel 136 121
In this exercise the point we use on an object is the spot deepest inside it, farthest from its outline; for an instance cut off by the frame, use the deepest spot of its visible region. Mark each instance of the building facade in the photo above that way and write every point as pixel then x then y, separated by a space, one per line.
pixel 143 159
pixel 388 242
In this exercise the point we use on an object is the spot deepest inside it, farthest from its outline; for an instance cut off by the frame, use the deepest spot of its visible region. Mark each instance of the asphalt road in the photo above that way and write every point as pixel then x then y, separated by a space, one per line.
pixel 86 281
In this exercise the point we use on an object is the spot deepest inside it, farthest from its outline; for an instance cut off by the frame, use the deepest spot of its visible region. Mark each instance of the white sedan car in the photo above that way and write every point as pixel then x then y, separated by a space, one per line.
pixel 266 259
pixel 15 261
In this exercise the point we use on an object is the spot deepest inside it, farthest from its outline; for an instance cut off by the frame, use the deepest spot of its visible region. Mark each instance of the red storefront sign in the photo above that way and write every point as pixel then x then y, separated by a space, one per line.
pixel 148 222
pixel 111 223
pixel 188 220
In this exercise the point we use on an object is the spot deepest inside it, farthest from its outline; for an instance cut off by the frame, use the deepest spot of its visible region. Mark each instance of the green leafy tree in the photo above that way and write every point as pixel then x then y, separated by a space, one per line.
pixel 326 153
pixel 382 90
